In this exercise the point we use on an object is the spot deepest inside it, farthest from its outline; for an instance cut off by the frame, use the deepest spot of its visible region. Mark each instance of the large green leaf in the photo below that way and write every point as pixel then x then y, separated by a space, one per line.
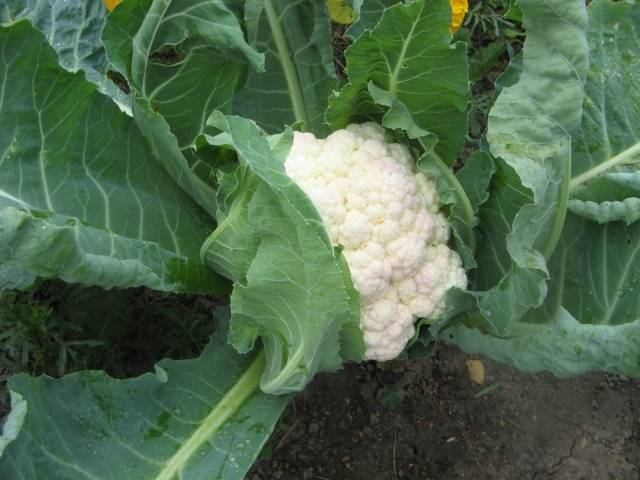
pixel 73 29
pixel 300 75
pixel 81 198
pixel 529 128
pixel 409 54
pixel 590 319
pixel 606 164
pixel 293 290
pixel 203 418
pixel 187 60
pixel 183 59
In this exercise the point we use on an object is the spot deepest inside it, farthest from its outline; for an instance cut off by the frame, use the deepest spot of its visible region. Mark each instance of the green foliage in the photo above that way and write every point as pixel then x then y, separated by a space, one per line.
pixel 222 421
pixel 393 57
pixel 56 328
pixel 494 38
pixel 492 30
pixel 301 333
pixel 544 215
pixel 84 201
pixel 31 334
pixel 73 29
pixel 605 184
pixel 588 319
pixel 299 73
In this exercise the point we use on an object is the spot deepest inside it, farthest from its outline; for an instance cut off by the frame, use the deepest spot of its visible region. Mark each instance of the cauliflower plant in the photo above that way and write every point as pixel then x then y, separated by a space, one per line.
pixel 386 216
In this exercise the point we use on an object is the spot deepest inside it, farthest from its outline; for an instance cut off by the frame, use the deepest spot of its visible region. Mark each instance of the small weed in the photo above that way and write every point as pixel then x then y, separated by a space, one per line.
pixel 493 41
pixel 55 329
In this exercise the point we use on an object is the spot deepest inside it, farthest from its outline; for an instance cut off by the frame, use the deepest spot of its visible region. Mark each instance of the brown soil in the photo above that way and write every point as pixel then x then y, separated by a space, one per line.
pixel 527 427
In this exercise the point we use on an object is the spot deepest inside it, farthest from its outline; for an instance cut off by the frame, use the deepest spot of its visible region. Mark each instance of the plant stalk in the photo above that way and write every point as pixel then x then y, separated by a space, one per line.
pixel 291 76
pixel 228 405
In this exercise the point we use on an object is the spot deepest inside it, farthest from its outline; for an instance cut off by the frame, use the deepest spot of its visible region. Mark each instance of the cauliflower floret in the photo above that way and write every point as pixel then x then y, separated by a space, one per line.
pixel 424 292
pixel 406 254
pixel 386 216
pixel 370 270
pixel 369 130
pixel 355 230
pixel 387 325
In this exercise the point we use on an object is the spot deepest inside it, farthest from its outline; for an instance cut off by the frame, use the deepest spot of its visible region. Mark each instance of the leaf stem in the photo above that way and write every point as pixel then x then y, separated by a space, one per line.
pixel 465 203
pixel 561 211
pixel 614 161
pixel 228 405
pixel 290 74
pixel 275 385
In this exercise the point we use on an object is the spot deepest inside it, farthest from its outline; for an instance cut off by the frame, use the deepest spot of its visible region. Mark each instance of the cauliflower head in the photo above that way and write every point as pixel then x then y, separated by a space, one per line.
pixel 386 216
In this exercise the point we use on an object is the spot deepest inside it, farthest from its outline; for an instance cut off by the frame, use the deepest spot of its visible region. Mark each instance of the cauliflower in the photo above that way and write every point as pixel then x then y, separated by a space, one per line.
pixel 386 217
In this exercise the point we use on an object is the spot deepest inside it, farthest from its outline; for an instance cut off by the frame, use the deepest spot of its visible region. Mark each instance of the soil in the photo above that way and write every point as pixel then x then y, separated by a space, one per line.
pixel 521 426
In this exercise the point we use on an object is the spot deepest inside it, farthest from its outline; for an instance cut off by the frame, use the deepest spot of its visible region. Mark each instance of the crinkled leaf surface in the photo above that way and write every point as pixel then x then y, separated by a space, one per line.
pixel 81 198
pixel 73 29
pixel 187 59
pixel 183 59
pixel 294 292
pixel 203 418
pixel 606 164
pixel 590 319
pixel 409 54
pixel 529 128
pixel 299 75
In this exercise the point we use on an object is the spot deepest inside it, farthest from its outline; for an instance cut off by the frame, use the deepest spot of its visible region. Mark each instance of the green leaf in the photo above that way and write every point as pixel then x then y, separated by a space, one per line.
pixel 590 318
pixel 529 128
pixel 485 58
pixel 299 75
pixel 73 29
pixel 188 45
pixel 514 12
pixel 203 418
pixel 398 116
pixel 409 54
pixel 230 249
pixel 120 29
pixel 13 422
pixel 609 197
pixel 296 293
pixel 352 345
pixel 80 196
pixel 183 59
pixel 369 13
pixel 466 195
pixel 15 277
pixel 606 167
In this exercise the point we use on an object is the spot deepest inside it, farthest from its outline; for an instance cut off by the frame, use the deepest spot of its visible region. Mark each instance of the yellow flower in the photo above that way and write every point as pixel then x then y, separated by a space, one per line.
pixel 341 12
pixel 111 4
pixel 459 8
